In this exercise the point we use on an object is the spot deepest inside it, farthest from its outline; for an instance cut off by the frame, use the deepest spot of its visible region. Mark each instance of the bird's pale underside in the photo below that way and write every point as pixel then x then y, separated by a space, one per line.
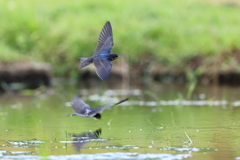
pixel 84 110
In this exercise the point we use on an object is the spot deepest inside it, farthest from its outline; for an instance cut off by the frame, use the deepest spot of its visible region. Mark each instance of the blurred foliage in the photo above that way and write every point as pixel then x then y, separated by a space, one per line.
pixel 60 31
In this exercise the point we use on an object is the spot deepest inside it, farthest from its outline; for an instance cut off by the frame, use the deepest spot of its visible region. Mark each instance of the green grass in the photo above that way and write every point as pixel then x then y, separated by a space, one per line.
pixel 190 141
pixel 58 32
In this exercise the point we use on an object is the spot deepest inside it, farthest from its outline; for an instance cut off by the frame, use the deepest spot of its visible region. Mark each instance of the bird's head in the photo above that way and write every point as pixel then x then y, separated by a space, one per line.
pixel 113 56
pixel 98 116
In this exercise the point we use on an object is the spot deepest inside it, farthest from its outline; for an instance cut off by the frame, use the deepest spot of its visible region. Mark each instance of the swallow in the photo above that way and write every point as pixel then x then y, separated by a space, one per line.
pixel 82 139
pixel 103 56
pixel 83 109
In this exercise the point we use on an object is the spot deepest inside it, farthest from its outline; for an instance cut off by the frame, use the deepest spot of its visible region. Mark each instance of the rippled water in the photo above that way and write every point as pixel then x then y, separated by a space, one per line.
pixel 158 122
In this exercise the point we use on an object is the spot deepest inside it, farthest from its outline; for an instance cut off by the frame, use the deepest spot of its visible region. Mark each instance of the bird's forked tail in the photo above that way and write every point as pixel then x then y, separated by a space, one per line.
pixel 105 107
pixel 120 102
pixel 84 62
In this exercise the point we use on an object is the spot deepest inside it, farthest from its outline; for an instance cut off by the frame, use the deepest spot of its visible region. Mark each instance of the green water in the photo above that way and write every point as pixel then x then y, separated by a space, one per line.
pixel 157 122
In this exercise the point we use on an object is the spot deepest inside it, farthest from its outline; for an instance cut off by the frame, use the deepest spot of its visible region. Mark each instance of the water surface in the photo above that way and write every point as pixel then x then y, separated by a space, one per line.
pixel 158 122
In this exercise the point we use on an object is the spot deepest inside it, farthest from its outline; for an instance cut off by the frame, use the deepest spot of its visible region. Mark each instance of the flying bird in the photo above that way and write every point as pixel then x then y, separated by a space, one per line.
pixel 103 56
pixel 83 109
pixel 82 139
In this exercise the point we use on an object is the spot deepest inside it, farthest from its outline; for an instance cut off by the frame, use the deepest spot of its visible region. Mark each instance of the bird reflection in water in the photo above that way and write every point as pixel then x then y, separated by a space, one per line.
pixel 82 139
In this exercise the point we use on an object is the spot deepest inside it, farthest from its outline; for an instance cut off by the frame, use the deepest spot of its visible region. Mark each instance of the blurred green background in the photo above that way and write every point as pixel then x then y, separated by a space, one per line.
pixel 181 35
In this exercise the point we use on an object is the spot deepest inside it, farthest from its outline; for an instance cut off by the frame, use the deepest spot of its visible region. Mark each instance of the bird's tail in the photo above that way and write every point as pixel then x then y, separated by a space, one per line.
pixel 105 107
pixel 120 102
pixel 84 62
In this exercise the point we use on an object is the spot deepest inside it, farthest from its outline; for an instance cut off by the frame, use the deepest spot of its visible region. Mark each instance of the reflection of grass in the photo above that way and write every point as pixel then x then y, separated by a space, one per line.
pixel 173 133
pixel 109 122
pixel 44 151
pixel 152 95
pixel 150 122
pixel 66 134
pixel 190 141
pixel 172 138
pixel 155 127
pixel 60 32
pixel 191 89
pixel 66 138
pixel 98 144
pixel 192 77
pixel 54 135
pixel 173 121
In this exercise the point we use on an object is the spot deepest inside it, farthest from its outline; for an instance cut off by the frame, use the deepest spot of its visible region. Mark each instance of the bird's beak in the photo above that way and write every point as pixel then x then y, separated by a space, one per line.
pixel 115 58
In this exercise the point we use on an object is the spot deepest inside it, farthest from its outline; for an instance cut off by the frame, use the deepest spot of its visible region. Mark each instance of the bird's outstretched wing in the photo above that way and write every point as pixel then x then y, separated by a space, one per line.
pixel 97 110
pixel 103 67
pixel 105 39
pixel 78 105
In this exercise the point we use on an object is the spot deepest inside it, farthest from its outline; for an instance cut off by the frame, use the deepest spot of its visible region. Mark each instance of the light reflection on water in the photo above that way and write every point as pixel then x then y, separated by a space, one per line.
pixel 150 125
pixel 115 155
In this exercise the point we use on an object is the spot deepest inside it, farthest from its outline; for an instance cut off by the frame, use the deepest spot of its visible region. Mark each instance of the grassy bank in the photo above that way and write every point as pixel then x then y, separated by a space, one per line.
pixel 170 31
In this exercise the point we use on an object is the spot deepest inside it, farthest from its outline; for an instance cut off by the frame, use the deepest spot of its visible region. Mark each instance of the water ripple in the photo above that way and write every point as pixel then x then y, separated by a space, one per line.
pixel 99 156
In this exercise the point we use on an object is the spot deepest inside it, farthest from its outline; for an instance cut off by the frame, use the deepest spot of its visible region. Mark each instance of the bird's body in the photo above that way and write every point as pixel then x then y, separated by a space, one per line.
pixel 103 56
pixel 83 109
